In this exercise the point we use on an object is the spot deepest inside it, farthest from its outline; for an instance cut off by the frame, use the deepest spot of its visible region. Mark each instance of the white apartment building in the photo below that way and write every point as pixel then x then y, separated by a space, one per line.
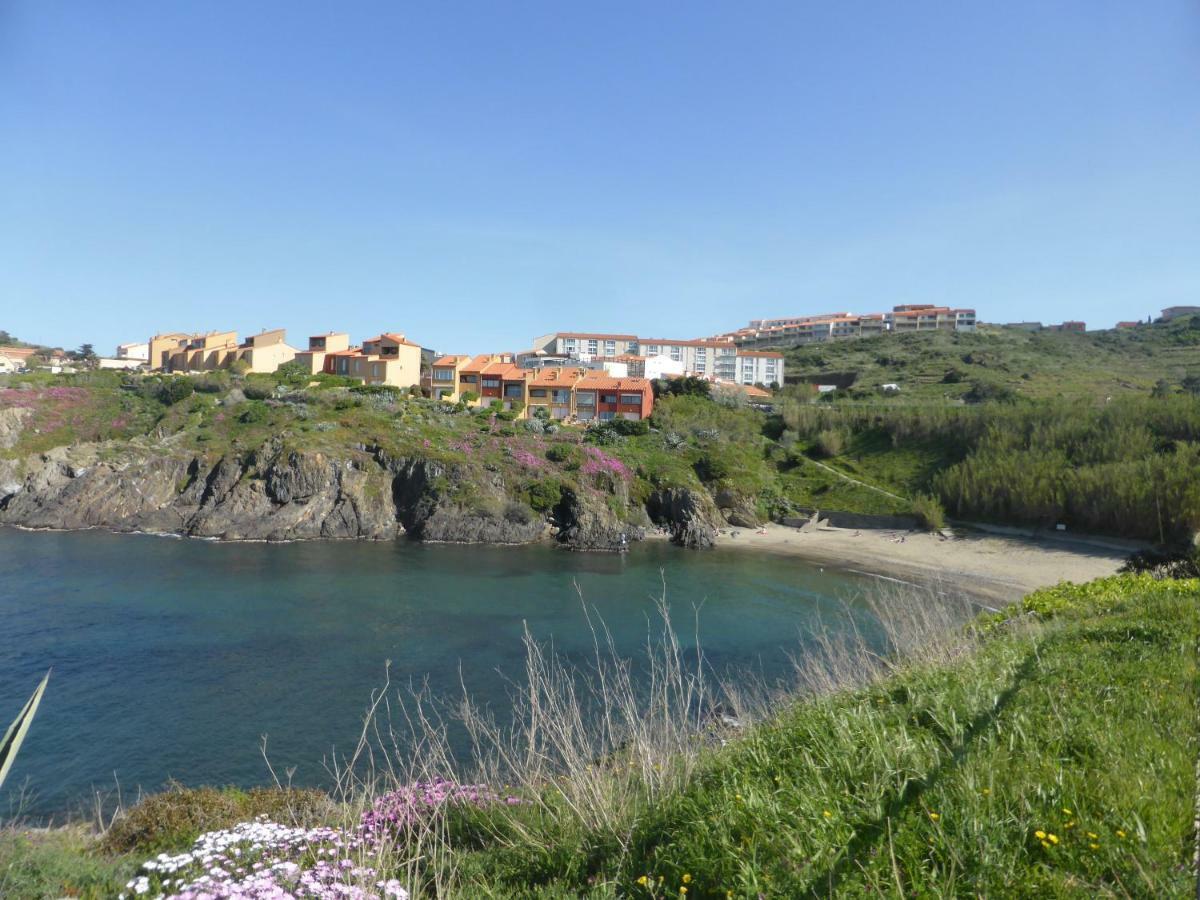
pixel 586 346
pixel 759 367
pixel 705 359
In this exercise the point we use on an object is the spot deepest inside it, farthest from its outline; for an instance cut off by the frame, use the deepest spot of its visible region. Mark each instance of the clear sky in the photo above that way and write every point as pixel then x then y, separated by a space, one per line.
pixel 475 174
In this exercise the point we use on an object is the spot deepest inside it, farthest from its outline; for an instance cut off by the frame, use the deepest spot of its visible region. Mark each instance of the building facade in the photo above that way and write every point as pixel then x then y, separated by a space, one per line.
pixel 313 359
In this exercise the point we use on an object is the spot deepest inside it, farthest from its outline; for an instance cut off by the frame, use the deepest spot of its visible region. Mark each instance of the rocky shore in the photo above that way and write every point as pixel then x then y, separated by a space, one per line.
pixel 275 494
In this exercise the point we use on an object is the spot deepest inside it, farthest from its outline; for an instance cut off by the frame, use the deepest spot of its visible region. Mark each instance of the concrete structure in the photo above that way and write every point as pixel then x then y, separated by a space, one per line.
pixel 702 358
pixel 1175 312
pixel 139 351
pixel 759 367
pixel 267 351
pixel 114 362
pixel 841 325
pixel 386 359
pixel 313 359
pixel 585 345
pixel 16 359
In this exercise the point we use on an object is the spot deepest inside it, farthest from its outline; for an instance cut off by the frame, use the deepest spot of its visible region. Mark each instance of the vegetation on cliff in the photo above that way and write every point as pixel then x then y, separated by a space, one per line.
pixel 1125 462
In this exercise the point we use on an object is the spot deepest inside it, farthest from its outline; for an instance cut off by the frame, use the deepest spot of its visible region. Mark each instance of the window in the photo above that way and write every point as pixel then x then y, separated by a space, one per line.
pixel 443 374
pixel 537 392
pixel 608 398
pixel 561 396
pixel 514 391
pixel 491 382
pixel 585 398
pixel 591 347
pixel 610 348
pixel 468 379
pixel 631 399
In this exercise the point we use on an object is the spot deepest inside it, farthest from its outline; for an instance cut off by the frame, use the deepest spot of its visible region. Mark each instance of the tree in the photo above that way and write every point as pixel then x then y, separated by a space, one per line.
pixel 1162 388
pixel 1191 384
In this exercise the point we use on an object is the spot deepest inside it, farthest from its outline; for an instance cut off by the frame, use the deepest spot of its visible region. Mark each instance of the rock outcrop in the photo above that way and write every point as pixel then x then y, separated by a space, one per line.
pixel 689 515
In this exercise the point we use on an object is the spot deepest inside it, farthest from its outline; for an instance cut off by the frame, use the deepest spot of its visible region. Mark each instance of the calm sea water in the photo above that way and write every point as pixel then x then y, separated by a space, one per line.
pixel 172 658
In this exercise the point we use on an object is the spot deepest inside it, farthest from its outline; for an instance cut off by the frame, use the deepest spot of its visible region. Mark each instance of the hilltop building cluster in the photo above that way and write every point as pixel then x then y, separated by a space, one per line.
pixel 843 325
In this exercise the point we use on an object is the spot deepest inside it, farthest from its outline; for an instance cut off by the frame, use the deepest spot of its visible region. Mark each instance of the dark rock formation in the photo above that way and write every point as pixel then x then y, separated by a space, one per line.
pixel 689 515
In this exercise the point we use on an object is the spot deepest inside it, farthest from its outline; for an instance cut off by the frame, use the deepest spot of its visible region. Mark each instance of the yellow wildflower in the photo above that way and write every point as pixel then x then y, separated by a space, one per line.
pixel 1120 834
pixel 934 816
pixel 643 880
pixel 1070 824
pixel 1094 846
pixel 1052 838
pixel 986 791
pixel 827 814
pixel 1046 844
pixel 1040 835
pixel 1066 811
pixel 687 879
pixel 682 889
pixel 1092 835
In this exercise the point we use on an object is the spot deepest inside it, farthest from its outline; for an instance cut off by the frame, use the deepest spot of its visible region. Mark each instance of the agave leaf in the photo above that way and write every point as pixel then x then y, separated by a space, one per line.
pixel 16 731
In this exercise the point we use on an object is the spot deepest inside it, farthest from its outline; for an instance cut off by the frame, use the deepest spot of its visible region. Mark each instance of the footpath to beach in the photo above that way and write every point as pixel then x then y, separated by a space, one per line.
pixel 1002 568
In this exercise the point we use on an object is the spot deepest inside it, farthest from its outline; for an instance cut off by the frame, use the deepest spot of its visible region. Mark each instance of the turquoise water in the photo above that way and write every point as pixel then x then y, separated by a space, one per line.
pixel 172 658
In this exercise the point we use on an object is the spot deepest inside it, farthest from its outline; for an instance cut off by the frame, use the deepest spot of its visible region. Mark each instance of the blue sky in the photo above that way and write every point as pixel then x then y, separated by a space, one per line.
pixel 475 174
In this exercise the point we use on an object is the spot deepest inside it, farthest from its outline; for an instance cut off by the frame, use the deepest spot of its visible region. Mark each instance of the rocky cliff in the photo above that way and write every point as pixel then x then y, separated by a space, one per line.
pixel 275 493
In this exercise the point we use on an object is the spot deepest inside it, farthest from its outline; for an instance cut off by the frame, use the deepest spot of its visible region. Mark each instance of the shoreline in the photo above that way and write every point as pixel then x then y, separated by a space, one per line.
pixel 1001 568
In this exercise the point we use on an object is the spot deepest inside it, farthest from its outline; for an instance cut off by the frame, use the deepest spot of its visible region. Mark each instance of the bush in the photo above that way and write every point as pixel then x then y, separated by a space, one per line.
pixel 829 443
pixel 256 390
pixel 544 495
pixel 212 384
pixel 174 390
pixel 990 392
pixel 713 466
pixel 561 453
pixel 255 411
pixel 173 819
pixel 468 397
pixel 929 512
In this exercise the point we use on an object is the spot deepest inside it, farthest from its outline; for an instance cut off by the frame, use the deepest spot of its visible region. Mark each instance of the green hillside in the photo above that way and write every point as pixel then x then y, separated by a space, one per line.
pixel 940 365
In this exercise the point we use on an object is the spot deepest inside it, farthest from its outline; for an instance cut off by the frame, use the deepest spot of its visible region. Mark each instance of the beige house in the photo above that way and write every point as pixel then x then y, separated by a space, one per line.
pixel 313 359
pixel 267 351
pixel 388 358
pixel 206 352
pixel 162 348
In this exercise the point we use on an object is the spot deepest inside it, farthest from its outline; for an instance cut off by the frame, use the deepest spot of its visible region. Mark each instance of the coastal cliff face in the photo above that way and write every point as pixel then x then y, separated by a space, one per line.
pixel 274 493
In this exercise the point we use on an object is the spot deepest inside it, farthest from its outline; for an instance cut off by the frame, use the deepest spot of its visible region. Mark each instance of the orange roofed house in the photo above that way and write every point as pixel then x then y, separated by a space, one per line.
pixel 443 379
pixel 386 359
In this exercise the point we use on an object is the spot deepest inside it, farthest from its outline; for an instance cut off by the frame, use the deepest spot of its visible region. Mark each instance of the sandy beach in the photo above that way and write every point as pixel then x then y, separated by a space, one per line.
pixel 998 567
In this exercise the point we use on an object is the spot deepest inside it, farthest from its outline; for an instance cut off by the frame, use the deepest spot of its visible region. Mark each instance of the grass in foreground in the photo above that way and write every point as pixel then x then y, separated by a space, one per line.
pixel 1047 752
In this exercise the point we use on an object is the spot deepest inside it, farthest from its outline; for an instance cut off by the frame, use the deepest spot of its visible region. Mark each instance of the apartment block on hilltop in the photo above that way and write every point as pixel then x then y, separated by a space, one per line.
pixel 584 345
pixel 843 325
pixel 443 377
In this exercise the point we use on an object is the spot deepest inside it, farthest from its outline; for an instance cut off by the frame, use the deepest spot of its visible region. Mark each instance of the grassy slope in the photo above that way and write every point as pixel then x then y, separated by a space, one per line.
pixel 1037 365
pixel 1056 760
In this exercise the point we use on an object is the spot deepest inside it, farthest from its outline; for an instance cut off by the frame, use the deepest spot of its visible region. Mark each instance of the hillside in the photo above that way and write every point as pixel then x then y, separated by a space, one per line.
pixel 276 457
pixel 1037 365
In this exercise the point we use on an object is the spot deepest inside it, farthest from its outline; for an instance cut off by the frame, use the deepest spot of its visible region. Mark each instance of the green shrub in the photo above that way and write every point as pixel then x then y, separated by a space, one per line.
pixel 829 443
pixel 254 411
pixel 256 390
pixel 544 495
pixel 174 390
pixel 175 818
pixel 929 512
pixel 714 466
